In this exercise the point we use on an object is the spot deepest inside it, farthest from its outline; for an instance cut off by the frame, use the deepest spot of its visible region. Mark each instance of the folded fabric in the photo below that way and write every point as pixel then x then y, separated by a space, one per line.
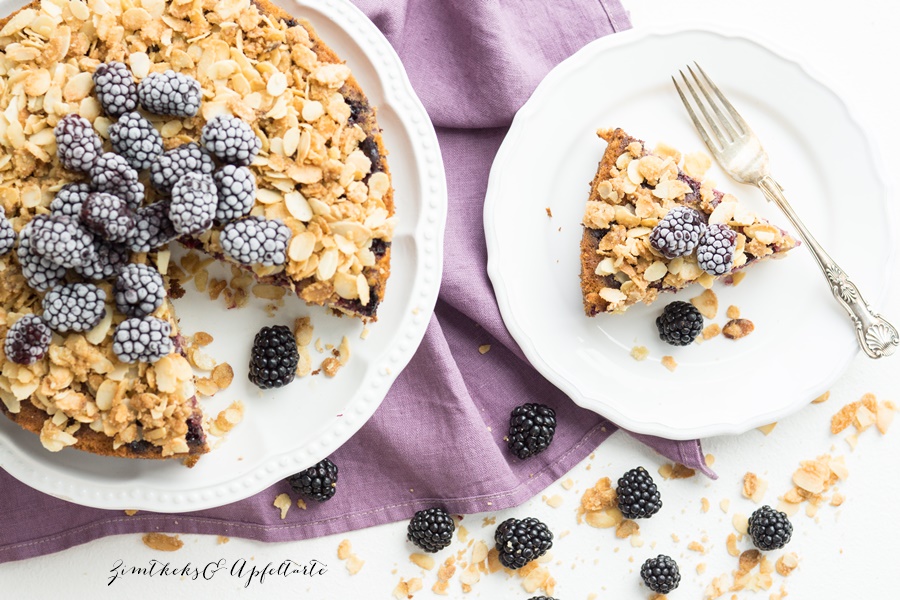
pixel 438 437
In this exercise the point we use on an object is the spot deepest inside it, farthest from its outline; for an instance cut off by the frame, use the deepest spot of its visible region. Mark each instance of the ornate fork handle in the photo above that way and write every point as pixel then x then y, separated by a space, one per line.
pixel 876 336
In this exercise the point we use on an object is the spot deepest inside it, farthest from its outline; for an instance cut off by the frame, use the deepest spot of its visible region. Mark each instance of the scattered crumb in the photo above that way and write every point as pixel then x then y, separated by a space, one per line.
pixel 733 312
pixel 424 561
pixel 462 533
pixel 740 523
pixel 704 504
pixel 701 568
pixel 282 502
pixel 697 547
pixel 221 539
pixel 711 331
pixel 549 212
pixel 837 499
pixel 343 551
pixel 407 587
pixel 736 329
pixel 786 563
pixel 724 504
pixel 767 429
pixel 675 538
pixel 731 545
pixel 488 521
pixel 669 363
pixel 709 459
pixel 627 528
pixel 822 398
pixel 301 503
pixel 676 471
pixel 568 484
pixel 639 353
pixel 131 513
pixel 354 564
pixel 737 278
pixel 554 501
pixel 484 348
pixel 754 487
pixel 707 303
pixel 162 542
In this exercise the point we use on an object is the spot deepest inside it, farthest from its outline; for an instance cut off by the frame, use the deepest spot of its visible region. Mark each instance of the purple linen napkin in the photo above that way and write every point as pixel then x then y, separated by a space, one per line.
pixel 438 436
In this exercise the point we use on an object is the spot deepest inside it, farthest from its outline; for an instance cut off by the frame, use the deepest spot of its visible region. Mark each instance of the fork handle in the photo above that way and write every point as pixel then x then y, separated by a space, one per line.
pixel 876 336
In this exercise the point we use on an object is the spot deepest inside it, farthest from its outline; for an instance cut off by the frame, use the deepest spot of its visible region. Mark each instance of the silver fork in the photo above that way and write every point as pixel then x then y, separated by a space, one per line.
pixel 740 153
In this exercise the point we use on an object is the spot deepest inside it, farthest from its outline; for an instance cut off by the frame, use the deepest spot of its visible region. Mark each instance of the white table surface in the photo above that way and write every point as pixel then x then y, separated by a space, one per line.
pixel 841 551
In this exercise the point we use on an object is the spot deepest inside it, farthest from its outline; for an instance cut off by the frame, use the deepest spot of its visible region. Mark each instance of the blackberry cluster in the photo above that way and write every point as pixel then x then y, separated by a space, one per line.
pixel 77 144
pixel 274 357
pixel 769 529
pixel 108 260
pixel 520 541
pixel 236 188
pixel 531 429
pixel 678 233
pixel 139 290
pixel 170 166
pixel 152 228
pixel 715 253
pixel 40 273
pixel 115 89
pixel 256 240
pixel 74 307
pixel 660 574
pixel 108 216
pixel 142 340
pixel 431 529
pixel 231 140
pixel 136 140
pixel 62 239
pixel 169 93
pixel 319 482
pixel 7 234
pixel 112 174
pixel 27 340
pixel 69 198
pixel 193 204
pixel 680 323
pixel 638 497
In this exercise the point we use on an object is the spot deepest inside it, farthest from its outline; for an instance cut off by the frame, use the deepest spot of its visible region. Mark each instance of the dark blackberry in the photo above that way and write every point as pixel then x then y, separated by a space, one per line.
pixel 769 529
pixel 135 139
pixel 231 140
pixel 193 204
pixel 109 259
pixel 115 89
pixel 77 144
pixel 715 253
pixel 236 189
pixel 678 233
pixel 318 482
pixel 522 541
pixel 108 216
pixel 256 240
pixel 139 290
pixel 274 357
pixel 431 529
pixel 637 495
pixel 153 228
pixel 170 166
pixel 69 198
pixel 660 574
pixel 142 340
pixel 7 234
pixel 63 240
pixel 169 93
pixel 74 307
pixel 40 273
pixel 27 340
pixel 531 429
pixel 112 174
pixel 680 323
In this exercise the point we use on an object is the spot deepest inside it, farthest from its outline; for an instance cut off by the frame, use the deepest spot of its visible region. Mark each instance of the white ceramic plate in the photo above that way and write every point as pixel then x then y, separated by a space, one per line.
pixel 803 340
pixel 288 430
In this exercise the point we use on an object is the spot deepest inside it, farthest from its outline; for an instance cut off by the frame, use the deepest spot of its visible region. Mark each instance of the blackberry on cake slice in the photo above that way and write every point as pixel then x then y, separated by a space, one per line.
pixel 236 188
pixel 256 240
pixel 153 228
pixel 74 307
pixel 40 273
pixel 77 144
pixel 193 205
pixel 115 89
pixel 169 93
pixel 170 166
pixel 27 340
pixel 62 239
pixel 139 290
pixel 142 340
pixel 318 482
pixel 109 259
pixel 69 199
pixel 230 140
pixel 108 216
pixel 112 174
pixel 135 139
pixel 715 252
pixel 7 234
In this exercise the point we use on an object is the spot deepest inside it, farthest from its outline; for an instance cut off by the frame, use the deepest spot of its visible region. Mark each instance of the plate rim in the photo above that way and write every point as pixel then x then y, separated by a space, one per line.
pixel 427 259
pixel 649 427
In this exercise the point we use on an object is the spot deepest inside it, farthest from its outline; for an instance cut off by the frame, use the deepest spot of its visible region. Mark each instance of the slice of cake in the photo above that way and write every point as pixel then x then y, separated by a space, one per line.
pixel 651 226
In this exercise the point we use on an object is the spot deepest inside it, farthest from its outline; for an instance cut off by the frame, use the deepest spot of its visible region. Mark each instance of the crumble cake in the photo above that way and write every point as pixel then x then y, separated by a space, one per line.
pixel 633 191
pixel 321 171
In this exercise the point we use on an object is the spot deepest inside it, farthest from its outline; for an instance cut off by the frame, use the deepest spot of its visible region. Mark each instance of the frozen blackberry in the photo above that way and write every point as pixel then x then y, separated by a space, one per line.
pixel 236 189
pixel 139 290
pixel 153 228
pixel 531 429
pixel 230 139
pixel 112 174
pixel 256 240
pixel 193 204
pixel 170 166
pixel 62 239
pixel 108 216
pixel 274 357
pixel 637 495
pixel 769 529
pixel 27 340
pixel 522 541
pixel 74 307
pixel 660 574
pixel 680 323
pixel 109 259
pixel 135 139
pixel 7 234
pixel 77 144
pixel 169 93
pixel 40 273
pixel 142 340
pixel 69 198
pixel 115 89
pixel 678 233
pixel 318 482
pixel 431 529
pixel 715 253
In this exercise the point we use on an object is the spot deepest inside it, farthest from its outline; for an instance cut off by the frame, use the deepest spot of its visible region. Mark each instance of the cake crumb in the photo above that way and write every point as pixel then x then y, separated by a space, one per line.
pixel 554 501
pixel 786 563
pixel 131 513
pixel 488 521
pixel 162 542
pixel 484 348
pixel 724 504
pixel 627 528
pixel 740 523
pixel 701 568
pixel 767 429
pixel 282 502
pixel 731 545
pixel 407 587
pixel 669 362
pixel 697 547
pixel 709 459
pixel 733 312
pixel 754 487
pixel 639 353
pixel 822 398
pixel 676 471
pixel 221 539
pixel 704 504
pixel 736 329
pixel 354 564
pixel 837 499
pixel 707 303
pixel 343 550
pixel 711 331
pixel 301 503
pixel 568 484
pixel 549 212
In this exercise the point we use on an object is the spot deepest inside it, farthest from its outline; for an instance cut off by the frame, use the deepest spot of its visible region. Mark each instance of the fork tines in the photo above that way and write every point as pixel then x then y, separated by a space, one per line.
pixel 725 130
